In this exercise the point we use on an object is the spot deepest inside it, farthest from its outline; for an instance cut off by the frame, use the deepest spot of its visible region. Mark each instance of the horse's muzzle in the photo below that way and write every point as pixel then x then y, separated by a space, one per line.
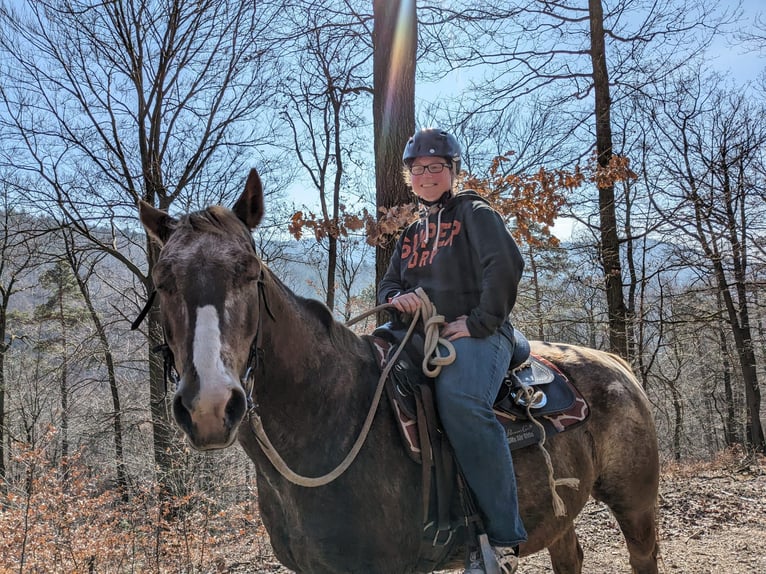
pixel 210 419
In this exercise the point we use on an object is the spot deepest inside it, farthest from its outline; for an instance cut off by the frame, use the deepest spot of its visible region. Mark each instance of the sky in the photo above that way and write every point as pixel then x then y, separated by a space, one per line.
pixel 727 56
pixel 724 55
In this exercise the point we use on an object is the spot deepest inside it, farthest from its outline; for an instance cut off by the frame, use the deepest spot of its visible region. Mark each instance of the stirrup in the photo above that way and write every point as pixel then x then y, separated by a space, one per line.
pixel 488 556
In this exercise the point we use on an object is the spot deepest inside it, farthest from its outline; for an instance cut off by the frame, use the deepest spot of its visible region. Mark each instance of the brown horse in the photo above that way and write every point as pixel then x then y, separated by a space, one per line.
pixel 235 329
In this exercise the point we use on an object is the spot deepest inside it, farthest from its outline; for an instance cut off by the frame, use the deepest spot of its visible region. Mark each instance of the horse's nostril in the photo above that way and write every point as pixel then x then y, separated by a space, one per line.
pixel 182 414
pixel 235 408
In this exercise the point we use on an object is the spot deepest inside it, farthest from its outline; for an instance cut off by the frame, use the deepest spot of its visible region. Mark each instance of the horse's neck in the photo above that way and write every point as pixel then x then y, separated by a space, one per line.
pixel 304 373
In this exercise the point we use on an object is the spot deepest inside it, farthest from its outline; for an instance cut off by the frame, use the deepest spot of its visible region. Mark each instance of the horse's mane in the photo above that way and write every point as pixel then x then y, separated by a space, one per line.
pixel 215 219
pixel 341 337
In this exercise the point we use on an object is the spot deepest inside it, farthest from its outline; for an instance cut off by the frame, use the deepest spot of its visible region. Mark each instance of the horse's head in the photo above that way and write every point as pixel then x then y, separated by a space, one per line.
pixel 207 278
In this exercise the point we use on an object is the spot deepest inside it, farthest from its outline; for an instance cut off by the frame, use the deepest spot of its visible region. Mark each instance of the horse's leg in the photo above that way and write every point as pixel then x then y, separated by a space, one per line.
pixel 632 501
pixel 566 553
pixel 640 531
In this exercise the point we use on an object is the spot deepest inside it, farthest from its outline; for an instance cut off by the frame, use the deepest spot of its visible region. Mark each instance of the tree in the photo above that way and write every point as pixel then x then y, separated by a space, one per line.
pixel 83 265
pixel 18 261
pixel 566 53
pixel 60 308
pixel 393 105
pixel 120 101
pixel 609 244
pixel 322 111
pixel 712 142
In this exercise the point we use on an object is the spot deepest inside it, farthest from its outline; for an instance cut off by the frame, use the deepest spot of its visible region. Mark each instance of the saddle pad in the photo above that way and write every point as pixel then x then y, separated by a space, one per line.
pixel 560 396
pixel 520 431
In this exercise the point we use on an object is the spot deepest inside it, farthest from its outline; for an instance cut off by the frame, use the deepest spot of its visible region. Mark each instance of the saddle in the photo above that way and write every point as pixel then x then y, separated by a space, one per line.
pixel 556 402
pixel 533 388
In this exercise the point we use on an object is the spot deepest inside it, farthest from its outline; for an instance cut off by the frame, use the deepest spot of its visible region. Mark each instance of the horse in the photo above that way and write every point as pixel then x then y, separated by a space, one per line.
pixel 244 346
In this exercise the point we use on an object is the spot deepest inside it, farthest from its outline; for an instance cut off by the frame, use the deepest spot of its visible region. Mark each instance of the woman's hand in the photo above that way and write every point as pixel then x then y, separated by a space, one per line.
pixel 407 303
pixel 456 329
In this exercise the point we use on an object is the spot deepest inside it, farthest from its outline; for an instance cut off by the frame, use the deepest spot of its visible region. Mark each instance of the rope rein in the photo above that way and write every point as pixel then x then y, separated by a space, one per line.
pixel 432 322
pixel 529 396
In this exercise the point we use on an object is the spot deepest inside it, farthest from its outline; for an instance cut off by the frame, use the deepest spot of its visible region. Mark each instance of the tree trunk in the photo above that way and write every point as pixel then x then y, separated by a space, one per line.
pixel 332 268
pixel 538 303
pixel 678 422
pixel 394 43
pixel 162 436
pixel 106 349
pixel 610 245
pixel 4 347
pixel 730 426
pixel 63 381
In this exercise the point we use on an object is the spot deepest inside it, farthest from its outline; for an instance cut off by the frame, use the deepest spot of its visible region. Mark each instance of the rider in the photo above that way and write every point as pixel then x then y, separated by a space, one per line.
pixel 463 256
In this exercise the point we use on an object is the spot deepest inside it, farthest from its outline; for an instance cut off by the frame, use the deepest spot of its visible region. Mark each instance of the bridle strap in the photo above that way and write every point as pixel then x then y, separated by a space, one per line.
pixel 144 312
pixel 256 348
pixel 169 371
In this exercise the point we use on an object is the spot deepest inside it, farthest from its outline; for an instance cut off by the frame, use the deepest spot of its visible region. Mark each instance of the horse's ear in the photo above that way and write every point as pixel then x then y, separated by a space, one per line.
pixel 158 224
pixel 249 206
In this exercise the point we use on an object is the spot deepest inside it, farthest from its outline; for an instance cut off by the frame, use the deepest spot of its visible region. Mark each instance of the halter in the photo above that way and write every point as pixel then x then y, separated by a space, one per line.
pixel 170 372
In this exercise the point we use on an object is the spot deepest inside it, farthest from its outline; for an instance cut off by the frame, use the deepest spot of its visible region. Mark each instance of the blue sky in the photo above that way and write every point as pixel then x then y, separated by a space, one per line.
pixel 729 56
pixel 725 55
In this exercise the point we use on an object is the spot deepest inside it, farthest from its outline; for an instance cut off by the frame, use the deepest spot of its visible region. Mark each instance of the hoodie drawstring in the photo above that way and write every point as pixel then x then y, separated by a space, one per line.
pixel 425 213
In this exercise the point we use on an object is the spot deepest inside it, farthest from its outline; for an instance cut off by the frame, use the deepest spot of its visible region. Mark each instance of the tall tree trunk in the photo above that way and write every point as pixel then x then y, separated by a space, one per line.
pixel 162 435
pixel 106 349
pixel 738 311
pixel 730 421
pixel 332 244
pixel 64 386
pixel 394 42
pixel 610 245
pixel 332 269
pixel 4 347
pixel 678 421
pixel 538 303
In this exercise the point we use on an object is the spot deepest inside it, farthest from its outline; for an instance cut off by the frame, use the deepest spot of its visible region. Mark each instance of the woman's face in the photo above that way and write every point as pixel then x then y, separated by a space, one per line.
pixel 430 186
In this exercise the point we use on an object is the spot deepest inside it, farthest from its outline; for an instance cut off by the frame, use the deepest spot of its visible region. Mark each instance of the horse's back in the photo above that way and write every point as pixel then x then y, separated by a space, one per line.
pixel 620 426
pixel 605 380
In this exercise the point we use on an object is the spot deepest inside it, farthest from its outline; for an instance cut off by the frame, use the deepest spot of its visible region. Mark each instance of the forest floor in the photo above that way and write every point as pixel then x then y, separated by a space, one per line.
pixel 712 521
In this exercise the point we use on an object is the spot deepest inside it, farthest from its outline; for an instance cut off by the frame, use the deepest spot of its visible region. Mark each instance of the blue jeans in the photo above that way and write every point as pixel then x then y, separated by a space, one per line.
pixel 465 391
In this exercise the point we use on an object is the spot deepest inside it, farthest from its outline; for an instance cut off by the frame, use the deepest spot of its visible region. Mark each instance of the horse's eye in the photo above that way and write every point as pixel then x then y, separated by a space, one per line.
pixel 246 272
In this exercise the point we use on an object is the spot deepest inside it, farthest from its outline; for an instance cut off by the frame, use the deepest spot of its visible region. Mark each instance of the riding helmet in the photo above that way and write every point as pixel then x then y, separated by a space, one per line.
pixel 432 142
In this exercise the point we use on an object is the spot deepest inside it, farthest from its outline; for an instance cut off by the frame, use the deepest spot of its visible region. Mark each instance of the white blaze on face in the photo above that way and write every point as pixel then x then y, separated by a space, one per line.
pixel 207 351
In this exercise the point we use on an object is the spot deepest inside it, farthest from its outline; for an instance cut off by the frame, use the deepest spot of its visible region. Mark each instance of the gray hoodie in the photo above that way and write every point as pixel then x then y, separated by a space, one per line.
pixel 464 258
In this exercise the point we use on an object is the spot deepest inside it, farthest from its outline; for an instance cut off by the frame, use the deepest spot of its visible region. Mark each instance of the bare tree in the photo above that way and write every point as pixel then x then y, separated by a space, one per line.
pixel 61 310
pixel 567 53
pixel 121 101
pixel 82 265
pixel 712 142
pixel 332 60
pixel 18 261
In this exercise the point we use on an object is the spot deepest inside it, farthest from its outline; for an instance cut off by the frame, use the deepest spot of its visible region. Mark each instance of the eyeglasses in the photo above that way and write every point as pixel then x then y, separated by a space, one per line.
pixel 431 167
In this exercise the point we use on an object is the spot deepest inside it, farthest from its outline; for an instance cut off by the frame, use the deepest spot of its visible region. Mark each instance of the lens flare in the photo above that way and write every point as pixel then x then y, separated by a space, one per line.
pixel 402 45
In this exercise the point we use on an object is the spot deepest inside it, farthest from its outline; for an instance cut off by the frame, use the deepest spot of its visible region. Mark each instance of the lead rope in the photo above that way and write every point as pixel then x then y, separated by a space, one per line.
pixel 432 323
pixel 528 396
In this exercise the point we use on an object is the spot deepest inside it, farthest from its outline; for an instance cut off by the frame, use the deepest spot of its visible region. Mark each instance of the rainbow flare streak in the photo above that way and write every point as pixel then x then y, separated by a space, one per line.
pixel 402 46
